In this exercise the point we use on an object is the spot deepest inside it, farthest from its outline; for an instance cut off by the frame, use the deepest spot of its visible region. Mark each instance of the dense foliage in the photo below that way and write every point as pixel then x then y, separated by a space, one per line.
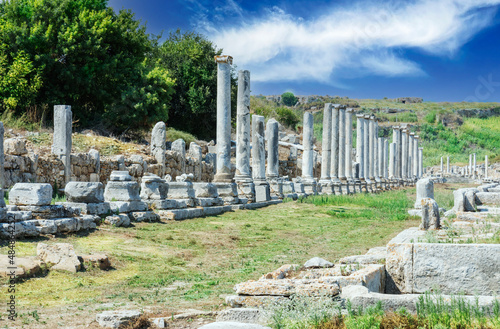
pixel 105 65
pixel 189 57
pixel 289 99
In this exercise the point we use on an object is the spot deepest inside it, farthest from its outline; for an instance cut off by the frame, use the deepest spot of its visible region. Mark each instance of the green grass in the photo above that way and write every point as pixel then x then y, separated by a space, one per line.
pixel 173 134
pixel 208 256
pixel 433 311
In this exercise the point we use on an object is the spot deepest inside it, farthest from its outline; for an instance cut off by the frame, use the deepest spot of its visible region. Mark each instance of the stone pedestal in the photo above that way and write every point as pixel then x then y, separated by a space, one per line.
pixel 276 187
pixel 289 190
pixel 62 137
pixel 228 192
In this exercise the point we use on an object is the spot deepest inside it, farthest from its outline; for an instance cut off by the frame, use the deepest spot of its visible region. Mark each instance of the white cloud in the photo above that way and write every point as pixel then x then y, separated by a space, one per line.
pixel 364 38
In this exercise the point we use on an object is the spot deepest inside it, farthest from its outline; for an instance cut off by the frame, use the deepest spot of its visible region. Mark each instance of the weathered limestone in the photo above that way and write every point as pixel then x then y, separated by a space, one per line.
pixel 334 171
pixel 326 149
pixel 360 131
pixel 84 192
pixel 243 129
pixel 471 269
pixel 153 188
pixel 223 174
pixel 31 194
pixel 96 162
pixel 348 145
pixel 159 145
pixel 262 191
pixel 207 195
pixel 62 137
pixel 116 319
pixel 430 214
pixel 196 153
pixel 308 155
pixel 60 256
pixel 179 146
pixel 425 190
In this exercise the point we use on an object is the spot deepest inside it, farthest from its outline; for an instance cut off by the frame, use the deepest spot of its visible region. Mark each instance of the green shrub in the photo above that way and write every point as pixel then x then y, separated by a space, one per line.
pixel 287 117
pixel 430 117
pixel 174 134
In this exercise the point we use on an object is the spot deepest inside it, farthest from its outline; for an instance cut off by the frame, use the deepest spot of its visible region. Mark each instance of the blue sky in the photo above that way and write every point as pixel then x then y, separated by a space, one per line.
pixel 441 50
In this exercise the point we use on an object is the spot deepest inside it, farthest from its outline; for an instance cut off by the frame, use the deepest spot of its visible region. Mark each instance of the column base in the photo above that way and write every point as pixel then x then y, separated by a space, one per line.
pixel 228 192
pixel 246 191
pixel 223 178
pixel 326 187
pixel 262 191
pixel 276 188
pixel 344 185
pixel 310 186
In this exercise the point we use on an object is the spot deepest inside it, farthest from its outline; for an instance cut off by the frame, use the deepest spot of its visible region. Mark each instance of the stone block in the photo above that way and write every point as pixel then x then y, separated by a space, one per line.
pixel 317 262
pixel 15 146
pixel 167 204
pixel 116 319
pixel 253 301
pixel 118 220
pixel 425 189
pixel 205 190
pixel 51 211
pixel 208 202
pixel 16 215
pixel 243 315
pixel 122 191
pixel 262 192
pixel 60 256
pixel 31 194
pixel 120 176
pixel 102 208
pixel 181 214
pixel 430 214
pixel 144 216
pixel 233 325
pixel 153 188
pixel 488 198
pixel 181 190
pixel 84 192
pixel 24 266
pixel 20 230
pixel 96 260
pixel 288 287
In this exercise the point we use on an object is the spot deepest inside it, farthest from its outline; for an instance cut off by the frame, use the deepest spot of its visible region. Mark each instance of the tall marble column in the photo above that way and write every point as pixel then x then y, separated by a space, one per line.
pixel 342 145
pixel 404 154
pixel 258 149
pixel 223 174
pixel 243 129
pixel 334 164
pixel 360 131
pixel 420 162
pixel 348 144
pixel 272 150
pixel 371 148
pixel 386 159
pixel 366 147
pixel 399 152
pixel 486 166
pixel 308 155
pixel 392 160
pixel 410 155
pixel 415 156
pixel 396 142
pixel 326 147
pixel 262 191
pixel 441 166
pixel 474 165
pixel 380 157
pixel 62 137
pixel 470 165
pixel 448 164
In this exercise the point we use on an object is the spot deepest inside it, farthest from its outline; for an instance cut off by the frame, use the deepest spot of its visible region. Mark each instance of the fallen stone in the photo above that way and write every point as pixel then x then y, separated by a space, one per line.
pixel 144 216
pixel 153 188
pixel 159 322
pixel 59 256
pixel 120 176
pixel 118 220
pixel 84 192
pixel 430 214
pixel 96 260
pixel 317 262
pixel 425 189
pixel 115 319
pixel 51 211
pixel 31 194
pixel 126 206
pixel 15 146
pixel 488 198
pixel 281 273
pixel 25 266
pixel 237 301
pixel 102 208
pixel 288 287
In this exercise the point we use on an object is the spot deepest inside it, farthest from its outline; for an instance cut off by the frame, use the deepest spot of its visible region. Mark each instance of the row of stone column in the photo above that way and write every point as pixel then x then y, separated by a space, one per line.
pixel 406 157
pixel 469 170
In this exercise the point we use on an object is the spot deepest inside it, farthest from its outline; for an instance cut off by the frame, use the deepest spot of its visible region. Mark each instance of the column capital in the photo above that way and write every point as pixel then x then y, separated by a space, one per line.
pixel 412 134
pixel 360 116
pixel 349 110
pixel 224 59
pixel 416 136
pixel 367 117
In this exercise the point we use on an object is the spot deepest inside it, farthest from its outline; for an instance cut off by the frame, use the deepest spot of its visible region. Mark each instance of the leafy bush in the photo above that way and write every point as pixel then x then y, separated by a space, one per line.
pixel 287 117
pixel 430 117
pixel 173 134
pixel 289 99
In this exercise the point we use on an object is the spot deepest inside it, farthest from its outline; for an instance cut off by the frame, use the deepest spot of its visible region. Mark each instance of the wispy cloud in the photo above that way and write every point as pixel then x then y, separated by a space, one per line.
pixel 363 38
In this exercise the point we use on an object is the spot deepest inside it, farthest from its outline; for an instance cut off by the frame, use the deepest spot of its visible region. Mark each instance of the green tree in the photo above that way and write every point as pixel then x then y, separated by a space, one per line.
pixel 289 99
pixel 189 57
pixel 87 56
